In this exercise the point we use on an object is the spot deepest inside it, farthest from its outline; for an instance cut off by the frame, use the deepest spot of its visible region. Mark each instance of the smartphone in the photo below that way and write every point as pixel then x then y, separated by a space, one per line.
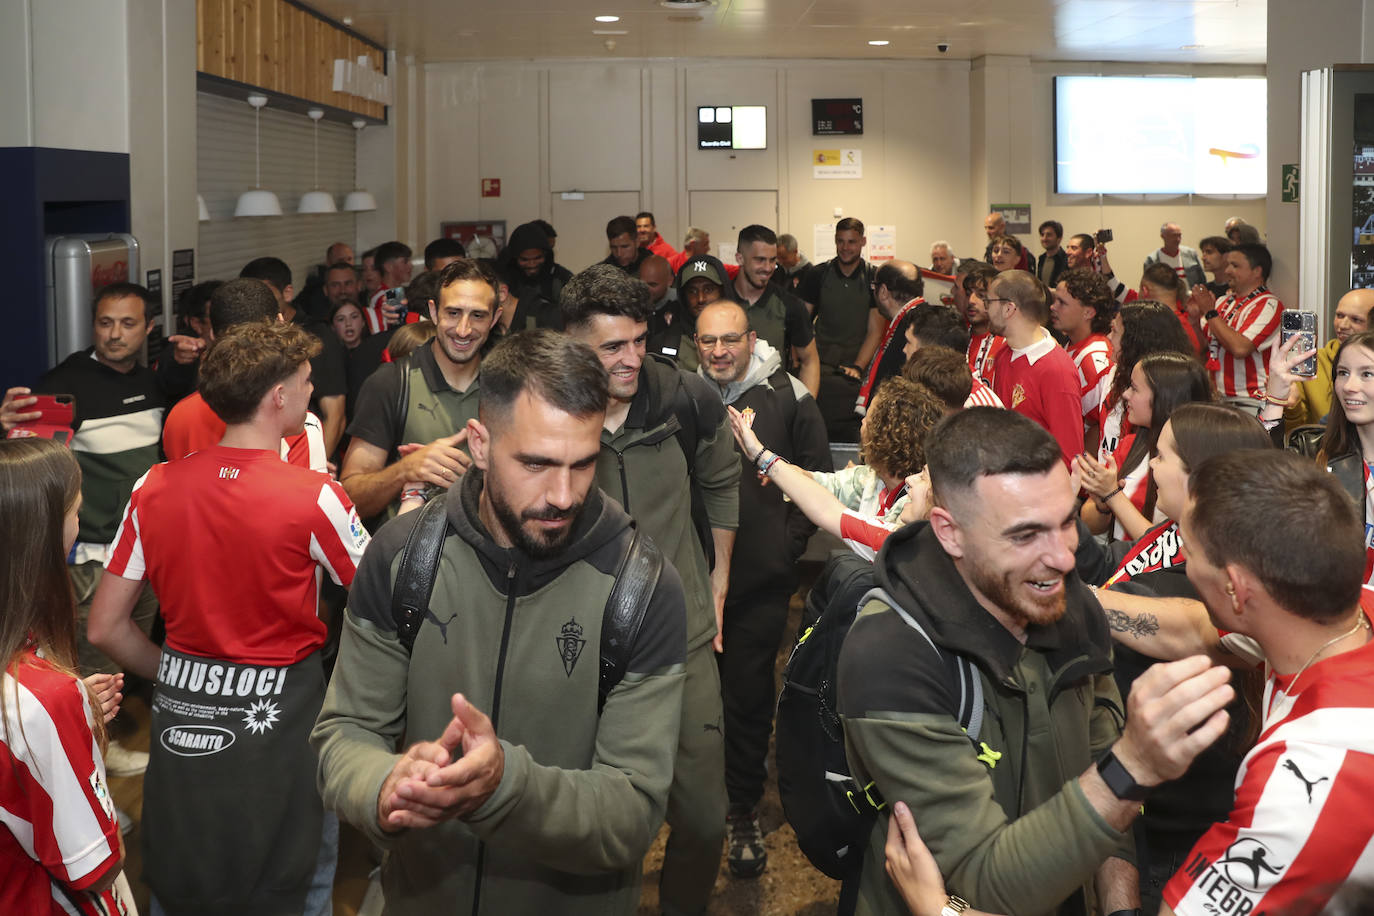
pixel 1103 236
pixel 1301 323
pixel 393 298
pixel 55 422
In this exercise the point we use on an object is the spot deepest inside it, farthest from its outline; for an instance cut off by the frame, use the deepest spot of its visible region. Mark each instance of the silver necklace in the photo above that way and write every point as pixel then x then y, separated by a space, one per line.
pixel 1362 622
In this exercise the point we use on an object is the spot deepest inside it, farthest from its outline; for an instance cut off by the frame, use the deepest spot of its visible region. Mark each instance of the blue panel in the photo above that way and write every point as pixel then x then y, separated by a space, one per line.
pixel 48 191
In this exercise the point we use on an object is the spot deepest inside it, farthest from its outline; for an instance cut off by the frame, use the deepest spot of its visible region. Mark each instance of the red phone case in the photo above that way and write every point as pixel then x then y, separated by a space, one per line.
pixel 55 423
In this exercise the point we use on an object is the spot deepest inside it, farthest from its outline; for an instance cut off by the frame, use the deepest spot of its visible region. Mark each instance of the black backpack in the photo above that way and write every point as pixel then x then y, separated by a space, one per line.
pixel 635 580
pixel 830 812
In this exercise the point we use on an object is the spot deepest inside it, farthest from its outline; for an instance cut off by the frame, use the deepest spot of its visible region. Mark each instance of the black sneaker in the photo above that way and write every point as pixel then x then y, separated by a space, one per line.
pixel 747 858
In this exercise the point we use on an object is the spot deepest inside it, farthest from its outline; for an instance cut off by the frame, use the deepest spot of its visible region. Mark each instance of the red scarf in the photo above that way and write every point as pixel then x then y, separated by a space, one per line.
pixel 1160 548
pixel 866 392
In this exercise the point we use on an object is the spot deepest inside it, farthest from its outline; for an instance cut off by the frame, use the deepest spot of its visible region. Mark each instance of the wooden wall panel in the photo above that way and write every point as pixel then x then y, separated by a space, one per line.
pixel 281 48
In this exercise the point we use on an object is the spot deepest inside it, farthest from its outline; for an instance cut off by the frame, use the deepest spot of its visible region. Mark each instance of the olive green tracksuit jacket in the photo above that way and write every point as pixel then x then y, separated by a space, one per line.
pixel 582 796
pixel 1006 820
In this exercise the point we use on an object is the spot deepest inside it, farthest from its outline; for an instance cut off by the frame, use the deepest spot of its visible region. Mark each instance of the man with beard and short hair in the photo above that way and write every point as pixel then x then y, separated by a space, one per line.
pixel 522 792
pixel 440 387
pixel 839 293
pixel 749 375
pixel 646 234
pixel 991 577
pixel 668 456
pixel 776 315
pixel 626 252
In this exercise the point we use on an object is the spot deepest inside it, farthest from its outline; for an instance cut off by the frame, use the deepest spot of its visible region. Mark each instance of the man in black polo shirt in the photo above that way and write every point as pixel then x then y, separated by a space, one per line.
pixel 775 314
pixel 848 327
pixel 329 369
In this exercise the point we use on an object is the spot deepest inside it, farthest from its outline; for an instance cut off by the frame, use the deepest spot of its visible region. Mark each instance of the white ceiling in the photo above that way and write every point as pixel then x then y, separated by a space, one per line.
pixel 1173 31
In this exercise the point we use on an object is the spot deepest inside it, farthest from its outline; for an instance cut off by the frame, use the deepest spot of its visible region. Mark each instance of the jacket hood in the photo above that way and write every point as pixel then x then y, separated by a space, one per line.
pixel 762 364
pixel 600 521
pixel 915 570
pixel 802 262
pixel 527 236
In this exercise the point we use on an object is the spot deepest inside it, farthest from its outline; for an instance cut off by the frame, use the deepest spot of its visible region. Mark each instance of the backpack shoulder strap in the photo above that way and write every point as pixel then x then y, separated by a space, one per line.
pixel 635 580
pixel 415 576
pixel 968 686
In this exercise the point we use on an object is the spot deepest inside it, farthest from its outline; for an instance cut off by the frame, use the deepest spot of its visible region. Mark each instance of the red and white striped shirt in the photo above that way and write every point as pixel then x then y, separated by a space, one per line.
pixel 982 396
pixel 865 534
pixel 1092 356
pixel 62 834
pixel 1256 316
pixel 262 532
pixel 1135 482
pixel 1302 824
pixel 982 350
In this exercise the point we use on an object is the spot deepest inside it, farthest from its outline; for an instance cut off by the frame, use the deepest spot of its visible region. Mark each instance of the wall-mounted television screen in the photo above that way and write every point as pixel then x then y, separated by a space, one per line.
pixel 1160 135
pixel 732 127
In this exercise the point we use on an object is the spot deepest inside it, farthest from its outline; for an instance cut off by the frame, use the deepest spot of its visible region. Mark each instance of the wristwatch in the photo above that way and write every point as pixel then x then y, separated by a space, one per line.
pixel 1211 313
pixel 1119 779
pixel 953 906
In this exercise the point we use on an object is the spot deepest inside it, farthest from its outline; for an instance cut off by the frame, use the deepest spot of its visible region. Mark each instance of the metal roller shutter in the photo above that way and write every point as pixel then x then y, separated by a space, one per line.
pixel 224 158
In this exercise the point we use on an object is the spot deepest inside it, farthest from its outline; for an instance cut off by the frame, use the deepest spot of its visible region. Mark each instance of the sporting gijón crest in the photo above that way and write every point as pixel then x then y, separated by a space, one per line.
pixel 570 643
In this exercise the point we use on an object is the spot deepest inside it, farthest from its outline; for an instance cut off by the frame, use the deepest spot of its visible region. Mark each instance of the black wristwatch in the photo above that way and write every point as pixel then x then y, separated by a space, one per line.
pixel 1134 912
pixel 1211 313
pixel 1119 779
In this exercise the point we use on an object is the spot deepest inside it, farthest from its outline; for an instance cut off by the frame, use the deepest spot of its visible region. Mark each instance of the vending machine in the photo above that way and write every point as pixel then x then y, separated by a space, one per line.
pixel 77 267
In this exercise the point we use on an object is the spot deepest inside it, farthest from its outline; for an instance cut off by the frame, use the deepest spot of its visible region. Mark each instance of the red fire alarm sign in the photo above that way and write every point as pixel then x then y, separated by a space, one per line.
pixel 491 187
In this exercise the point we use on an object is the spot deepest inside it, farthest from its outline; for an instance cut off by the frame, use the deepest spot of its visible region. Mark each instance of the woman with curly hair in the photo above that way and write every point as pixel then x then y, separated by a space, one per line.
pixel 863 503
pixel 1139 329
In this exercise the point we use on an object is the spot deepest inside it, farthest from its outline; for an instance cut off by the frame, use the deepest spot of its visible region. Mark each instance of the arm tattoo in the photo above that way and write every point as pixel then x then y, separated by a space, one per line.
pixel 1138 625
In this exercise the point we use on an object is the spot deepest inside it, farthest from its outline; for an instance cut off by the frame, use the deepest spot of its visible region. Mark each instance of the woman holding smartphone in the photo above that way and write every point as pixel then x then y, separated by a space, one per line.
pixel 60 846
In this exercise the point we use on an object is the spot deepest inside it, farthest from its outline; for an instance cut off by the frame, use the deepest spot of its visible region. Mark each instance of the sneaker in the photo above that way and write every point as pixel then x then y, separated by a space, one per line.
pixel 126 823
pixel 747 858
pixel 121 761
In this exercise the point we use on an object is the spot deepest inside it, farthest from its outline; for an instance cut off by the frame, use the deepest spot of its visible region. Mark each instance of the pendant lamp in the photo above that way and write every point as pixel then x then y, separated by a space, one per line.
pixel 315 200
pixel 359 200
pixel 258 201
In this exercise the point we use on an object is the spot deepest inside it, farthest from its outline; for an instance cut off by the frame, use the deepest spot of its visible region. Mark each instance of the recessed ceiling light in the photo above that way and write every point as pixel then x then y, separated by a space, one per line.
pixel 685 4
pixel 610 31
pixel 879 42
pixel 1190 47
pixel 607 18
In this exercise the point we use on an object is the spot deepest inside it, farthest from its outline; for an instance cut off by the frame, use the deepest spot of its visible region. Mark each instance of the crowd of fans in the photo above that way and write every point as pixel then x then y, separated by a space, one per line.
pixel 361 536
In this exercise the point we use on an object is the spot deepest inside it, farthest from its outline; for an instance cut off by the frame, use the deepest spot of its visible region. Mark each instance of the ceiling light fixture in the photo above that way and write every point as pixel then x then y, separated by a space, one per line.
pixel 315 200
pixel 879 42
pixel 257 202
pixel 607 18
pixel 359 200
pixel 686 4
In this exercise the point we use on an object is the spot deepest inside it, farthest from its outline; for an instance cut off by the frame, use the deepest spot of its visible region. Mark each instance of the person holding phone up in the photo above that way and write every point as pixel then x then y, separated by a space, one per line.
pixel 1242 327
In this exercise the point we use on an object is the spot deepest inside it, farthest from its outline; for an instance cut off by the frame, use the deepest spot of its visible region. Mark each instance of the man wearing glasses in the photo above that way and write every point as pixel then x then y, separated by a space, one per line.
pixel 748 374
pixel 1033 375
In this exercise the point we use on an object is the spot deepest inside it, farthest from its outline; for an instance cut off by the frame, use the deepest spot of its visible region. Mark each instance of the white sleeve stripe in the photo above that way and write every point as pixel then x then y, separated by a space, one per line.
pixel 343 523
pixel 78 833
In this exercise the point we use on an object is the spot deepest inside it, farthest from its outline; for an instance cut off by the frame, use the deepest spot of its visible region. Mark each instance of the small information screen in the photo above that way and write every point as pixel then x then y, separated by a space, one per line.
pixel 732 127
pixel 837 117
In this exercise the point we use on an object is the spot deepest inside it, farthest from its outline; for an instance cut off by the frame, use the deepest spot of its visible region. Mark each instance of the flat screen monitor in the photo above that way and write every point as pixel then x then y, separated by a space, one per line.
pixel 1160 135
pixel 732 127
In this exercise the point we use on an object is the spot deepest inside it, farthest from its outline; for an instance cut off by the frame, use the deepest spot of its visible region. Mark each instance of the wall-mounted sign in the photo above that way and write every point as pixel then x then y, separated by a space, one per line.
pixel 1018 217
pixel 837 163
pixel 491 187
pixel 481 238
pixel 837 117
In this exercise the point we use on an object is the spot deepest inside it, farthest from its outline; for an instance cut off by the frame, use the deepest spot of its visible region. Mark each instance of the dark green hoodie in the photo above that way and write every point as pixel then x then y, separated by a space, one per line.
pixel 582 796
pixel 1007 821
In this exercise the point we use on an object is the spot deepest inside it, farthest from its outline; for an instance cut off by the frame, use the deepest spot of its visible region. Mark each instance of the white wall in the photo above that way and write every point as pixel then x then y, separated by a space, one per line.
pixel 549 127
pixel 942 139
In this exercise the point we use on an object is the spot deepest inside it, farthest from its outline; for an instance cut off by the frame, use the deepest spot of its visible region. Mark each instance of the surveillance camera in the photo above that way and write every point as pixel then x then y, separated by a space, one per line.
pixel 942 47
